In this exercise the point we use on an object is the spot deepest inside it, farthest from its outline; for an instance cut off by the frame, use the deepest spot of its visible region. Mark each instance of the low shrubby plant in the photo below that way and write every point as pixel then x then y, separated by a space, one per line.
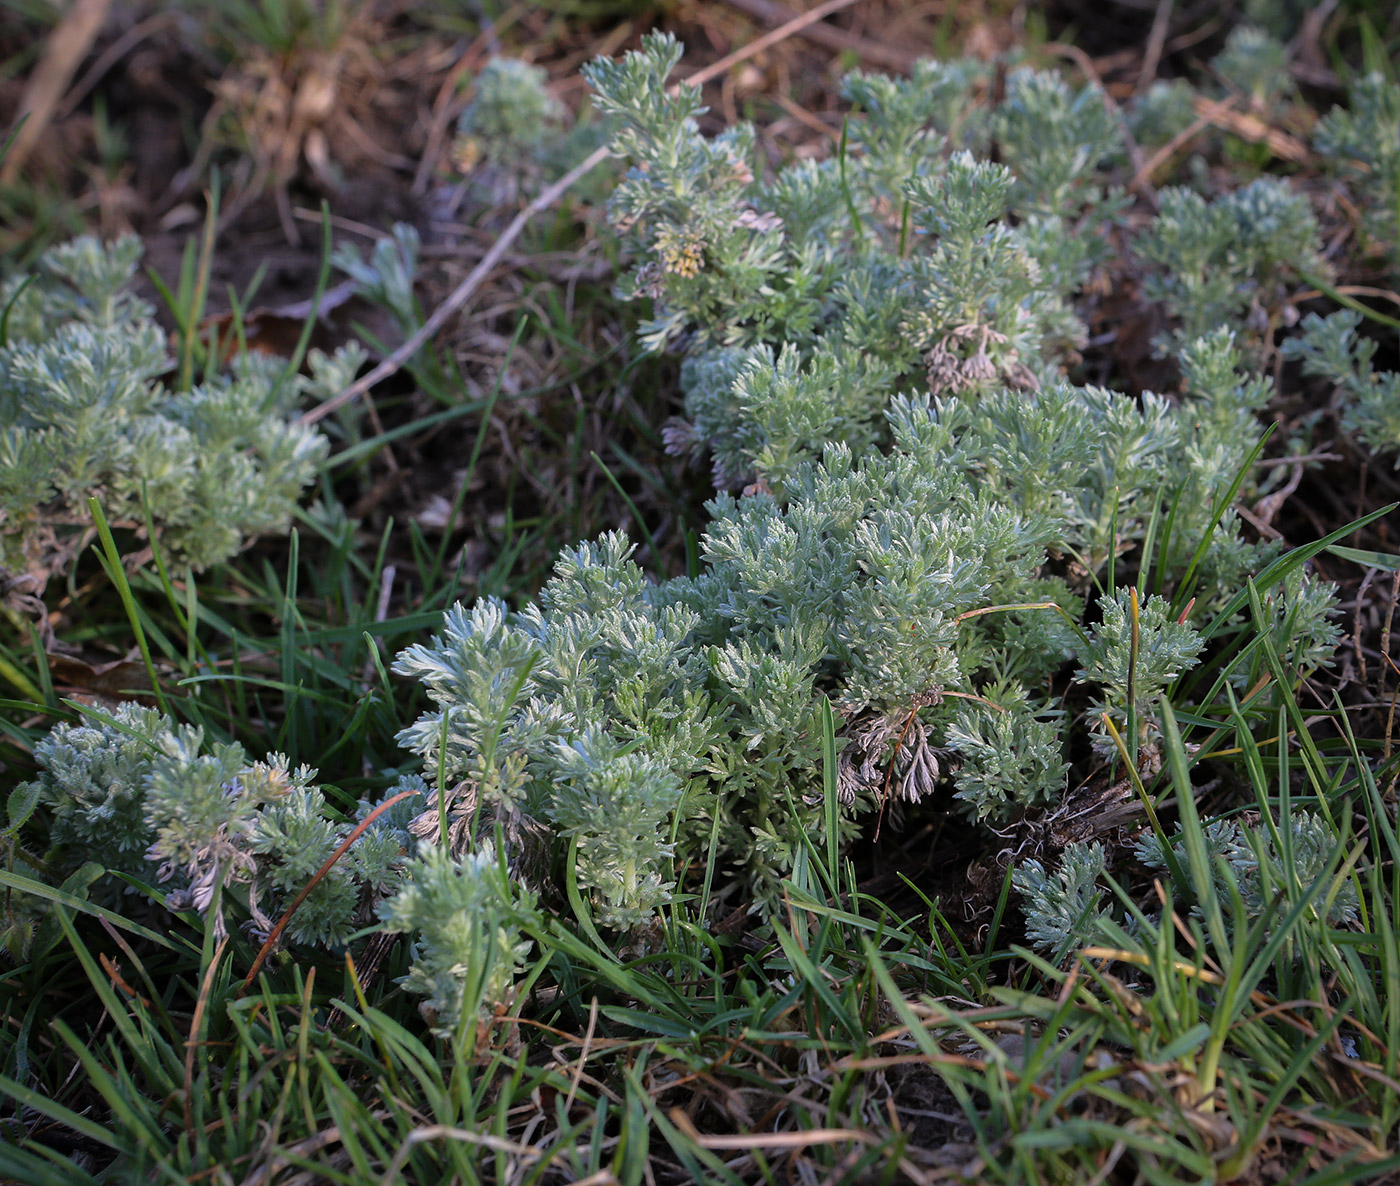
pixel 1361 145
pixel 160 805
pixel 514 135
pixel 511 114
pixel 386 277
pixel 1332 349
pixel 935 566
pixel 1254 64
pixel 936 527
pixel 1069 905
pixel 1233 260
pixel 88 411
pixel 140 804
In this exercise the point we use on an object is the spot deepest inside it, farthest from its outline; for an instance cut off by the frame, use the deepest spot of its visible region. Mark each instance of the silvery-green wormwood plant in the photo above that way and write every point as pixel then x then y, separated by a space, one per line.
pixel 920 527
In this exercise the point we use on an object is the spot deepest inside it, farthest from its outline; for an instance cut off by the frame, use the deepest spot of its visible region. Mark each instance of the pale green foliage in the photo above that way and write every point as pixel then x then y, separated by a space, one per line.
pixel 512 111
pixel 976 306
pixel 1269 860
pixel 907 122
pixel 1226 262
pixel 1134 653
pixel 598 693
pixel 738 262
pixel 1298 618
pixel 1265 863
pixel 1056 140
pixel 703 695
pixel 84 280
pixel 1331 348
pixel 1008 755
pixel 602 794
pixel 765 414
pixel 465 913
pixel 1063 907
pixel 1164 110
pixel 1362 143
pixel 1217 839
pixel 688 209
pixel 690 709
pixel 93 778
pixel 1094 465
pixel 387 276
pixel 1255 64
pixel 143 795
pixel 620 693
pixel 875 344
pixel 83 414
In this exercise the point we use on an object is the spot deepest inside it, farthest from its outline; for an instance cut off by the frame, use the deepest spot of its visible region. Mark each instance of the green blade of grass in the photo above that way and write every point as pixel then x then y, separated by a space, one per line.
pixel 1388 561
pixel 1273 573
pixel 117 574
pixel 1184 589
pixel 38 889
pixel 831 806
pixel 100 1134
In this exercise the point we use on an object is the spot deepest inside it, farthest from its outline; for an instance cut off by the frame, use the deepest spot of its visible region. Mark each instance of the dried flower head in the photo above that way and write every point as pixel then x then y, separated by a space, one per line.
pixel 682 252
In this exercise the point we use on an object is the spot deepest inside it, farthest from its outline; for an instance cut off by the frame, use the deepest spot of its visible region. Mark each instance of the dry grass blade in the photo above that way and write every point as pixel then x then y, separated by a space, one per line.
pixel 439 1132
pixel 771 1140
pixel 196 1021
pixel 302 1149
pixel 68 45
pixel 789 1141
pixel 835 39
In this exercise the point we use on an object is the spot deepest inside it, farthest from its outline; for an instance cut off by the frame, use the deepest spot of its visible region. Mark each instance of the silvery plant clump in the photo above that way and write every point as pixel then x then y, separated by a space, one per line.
pixel 88 411
pixel 923 533
pixel 874 352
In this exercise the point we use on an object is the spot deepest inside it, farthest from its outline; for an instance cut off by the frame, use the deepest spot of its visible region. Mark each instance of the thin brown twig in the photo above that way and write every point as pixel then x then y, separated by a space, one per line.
pixel 113 54
pixel 196 1019
pixel 442 105
pixel 344 847
pixel 68 44
pixel 1204 120
pixel 805 117
pixel 1250 127
pixel 1156 42
pixel 1306 47
pixel 460 295
pixel 832 38
pixel 464 291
